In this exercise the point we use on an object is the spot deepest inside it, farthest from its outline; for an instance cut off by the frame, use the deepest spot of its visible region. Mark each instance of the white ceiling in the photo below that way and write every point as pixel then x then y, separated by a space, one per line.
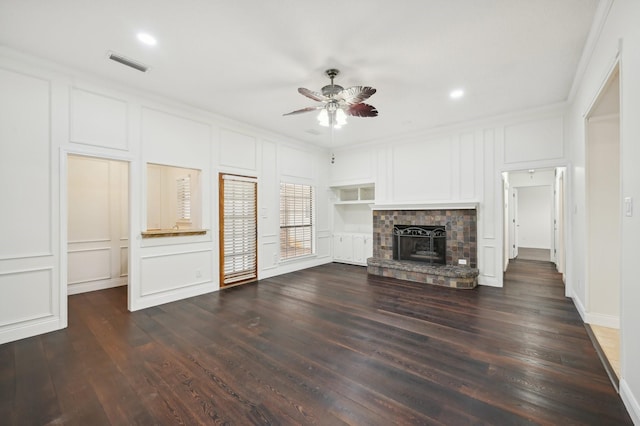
pixel 245 59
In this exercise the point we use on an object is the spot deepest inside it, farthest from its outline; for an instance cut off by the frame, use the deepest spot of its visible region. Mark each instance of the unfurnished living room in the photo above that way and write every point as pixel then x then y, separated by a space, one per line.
pixel 296 212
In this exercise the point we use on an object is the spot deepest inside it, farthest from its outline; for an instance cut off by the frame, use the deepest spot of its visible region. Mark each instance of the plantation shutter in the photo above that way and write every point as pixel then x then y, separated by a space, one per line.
pixel 239 229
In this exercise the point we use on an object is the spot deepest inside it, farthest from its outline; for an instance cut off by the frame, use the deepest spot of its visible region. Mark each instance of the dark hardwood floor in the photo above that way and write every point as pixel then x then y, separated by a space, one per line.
pixel 329 345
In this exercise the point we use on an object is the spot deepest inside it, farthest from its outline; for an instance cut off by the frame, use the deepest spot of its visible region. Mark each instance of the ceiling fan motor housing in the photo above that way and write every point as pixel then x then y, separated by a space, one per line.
pixel 332 89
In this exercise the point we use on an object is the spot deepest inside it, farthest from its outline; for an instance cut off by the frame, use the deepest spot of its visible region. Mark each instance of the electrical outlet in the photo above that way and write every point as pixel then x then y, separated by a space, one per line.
pixel 198 273
pixel 275 258
pixel 462 261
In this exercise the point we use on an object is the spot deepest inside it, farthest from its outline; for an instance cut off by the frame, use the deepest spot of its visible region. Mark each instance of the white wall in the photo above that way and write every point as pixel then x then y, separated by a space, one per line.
pixel 459 165
pixel 30 301
pixel 603 221
pixel 47 115
pixel 98 223
pixel 534 216
pixel 617 38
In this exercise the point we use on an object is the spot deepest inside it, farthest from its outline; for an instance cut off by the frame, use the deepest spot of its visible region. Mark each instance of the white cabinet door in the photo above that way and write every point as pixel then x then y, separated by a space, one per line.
pixel 362 248
pixel 359 249
pixel 343 248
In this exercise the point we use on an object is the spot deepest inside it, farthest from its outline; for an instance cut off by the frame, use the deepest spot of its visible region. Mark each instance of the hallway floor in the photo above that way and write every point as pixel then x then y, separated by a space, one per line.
pixel 526 253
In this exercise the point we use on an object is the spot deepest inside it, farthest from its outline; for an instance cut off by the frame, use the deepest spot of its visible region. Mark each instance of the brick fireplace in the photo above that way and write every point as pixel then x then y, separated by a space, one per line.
pixel 461 243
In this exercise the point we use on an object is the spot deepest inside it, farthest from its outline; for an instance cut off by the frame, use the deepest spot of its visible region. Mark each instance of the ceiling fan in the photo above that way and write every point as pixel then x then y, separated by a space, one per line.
pixel 338 102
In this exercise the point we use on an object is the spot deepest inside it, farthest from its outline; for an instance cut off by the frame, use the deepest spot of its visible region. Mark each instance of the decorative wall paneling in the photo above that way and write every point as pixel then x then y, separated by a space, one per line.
pixel 458 166
pixel 47 115
pixel 29 272
pixel 98 120
pixel 237 150
pixel 534 140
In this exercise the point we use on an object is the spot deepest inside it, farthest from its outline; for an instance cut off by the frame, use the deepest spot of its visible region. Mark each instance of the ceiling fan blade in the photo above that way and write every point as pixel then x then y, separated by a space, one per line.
pixel 313 95
pixel 307 109
pixel 356 94
pixel 361 110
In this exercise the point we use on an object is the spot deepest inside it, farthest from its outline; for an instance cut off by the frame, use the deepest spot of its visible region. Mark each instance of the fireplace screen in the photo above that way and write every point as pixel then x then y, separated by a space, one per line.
pixel 420 243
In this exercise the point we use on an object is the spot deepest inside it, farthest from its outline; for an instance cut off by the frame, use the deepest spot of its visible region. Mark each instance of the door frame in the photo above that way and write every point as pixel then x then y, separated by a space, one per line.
pixel 508 213
pixel 64 229
pixel 221 252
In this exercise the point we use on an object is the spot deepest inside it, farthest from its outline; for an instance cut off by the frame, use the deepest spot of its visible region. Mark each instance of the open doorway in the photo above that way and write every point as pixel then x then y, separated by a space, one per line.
pixel 603 222
pixel 534 215
pixel 97 223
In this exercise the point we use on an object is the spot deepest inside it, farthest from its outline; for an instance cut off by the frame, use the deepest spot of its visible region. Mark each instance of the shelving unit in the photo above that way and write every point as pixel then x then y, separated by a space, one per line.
pixel 353 223
pixel 364 194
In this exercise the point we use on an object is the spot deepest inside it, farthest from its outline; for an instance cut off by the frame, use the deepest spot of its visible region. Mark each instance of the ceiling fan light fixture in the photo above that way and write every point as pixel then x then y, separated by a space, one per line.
pixel 332 118
pixel 323 118
pixel 341 118
pixel 338 102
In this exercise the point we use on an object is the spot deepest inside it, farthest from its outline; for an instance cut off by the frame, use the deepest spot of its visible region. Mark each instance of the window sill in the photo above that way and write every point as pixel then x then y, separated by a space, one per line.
pixel 157 233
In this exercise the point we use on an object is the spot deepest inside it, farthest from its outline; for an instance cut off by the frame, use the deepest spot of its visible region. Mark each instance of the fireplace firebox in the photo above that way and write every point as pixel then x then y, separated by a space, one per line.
pixel 420 243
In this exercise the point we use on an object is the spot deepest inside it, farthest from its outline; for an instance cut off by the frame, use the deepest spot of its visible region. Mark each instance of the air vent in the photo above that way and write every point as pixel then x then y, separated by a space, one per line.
pixel 128 62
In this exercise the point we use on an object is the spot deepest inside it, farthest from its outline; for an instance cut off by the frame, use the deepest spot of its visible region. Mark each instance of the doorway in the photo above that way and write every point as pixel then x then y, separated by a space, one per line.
pixel 534 215
pixel 97 223
pixel 603 219
pixel 238 215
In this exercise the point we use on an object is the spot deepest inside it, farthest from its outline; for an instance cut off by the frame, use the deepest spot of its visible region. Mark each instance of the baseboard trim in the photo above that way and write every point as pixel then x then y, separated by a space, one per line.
pixel 630 401
pixel 96 285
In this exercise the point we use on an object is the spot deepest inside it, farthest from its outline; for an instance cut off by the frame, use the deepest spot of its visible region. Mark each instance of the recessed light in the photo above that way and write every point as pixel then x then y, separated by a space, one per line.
pixel 456 94
pixel 147 39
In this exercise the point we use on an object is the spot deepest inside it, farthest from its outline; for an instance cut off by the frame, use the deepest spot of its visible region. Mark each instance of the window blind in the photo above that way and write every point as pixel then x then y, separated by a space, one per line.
pixel 184 198
pixel 296 220
pixel 239 238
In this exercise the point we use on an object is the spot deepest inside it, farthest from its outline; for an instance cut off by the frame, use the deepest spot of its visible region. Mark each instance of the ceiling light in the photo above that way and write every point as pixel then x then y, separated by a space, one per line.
pixel 147 39
pixel 331 117
pixel 456 94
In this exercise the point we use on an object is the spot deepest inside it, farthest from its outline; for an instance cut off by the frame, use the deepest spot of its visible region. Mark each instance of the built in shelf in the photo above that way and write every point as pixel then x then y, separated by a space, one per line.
pixel 157 233
pixel 355 194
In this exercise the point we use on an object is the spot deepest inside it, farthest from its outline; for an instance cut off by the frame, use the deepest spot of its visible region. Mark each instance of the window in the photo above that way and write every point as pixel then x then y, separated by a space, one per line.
pixel 296 220
pixel 239 230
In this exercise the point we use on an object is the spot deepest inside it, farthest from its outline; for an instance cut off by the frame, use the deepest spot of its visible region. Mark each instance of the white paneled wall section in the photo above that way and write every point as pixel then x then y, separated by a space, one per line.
pixel 47 116
pixel 457 166
pixel 30 290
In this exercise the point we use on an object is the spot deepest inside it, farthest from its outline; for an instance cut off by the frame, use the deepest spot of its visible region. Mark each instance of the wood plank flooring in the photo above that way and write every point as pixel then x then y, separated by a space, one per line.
pixel 526 253
pixel 328 345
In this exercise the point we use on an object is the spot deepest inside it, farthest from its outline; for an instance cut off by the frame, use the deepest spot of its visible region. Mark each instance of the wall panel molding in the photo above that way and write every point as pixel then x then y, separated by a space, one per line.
pixel 28 295
pixel 92 264
pixel 98 119
pixel 238 150
pixel 25 105
pixel 168 272
pixel 488 225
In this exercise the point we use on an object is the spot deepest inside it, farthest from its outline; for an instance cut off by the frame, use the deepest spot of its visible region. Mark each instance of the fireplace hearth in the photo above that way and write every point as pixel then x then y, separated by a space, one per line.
pixel 435 246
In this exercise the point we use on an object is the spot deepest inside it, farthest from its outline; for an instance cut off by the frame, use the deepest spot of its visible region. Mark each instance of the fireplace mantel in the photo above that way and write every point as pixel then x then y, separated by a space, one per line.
pixel 445 205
